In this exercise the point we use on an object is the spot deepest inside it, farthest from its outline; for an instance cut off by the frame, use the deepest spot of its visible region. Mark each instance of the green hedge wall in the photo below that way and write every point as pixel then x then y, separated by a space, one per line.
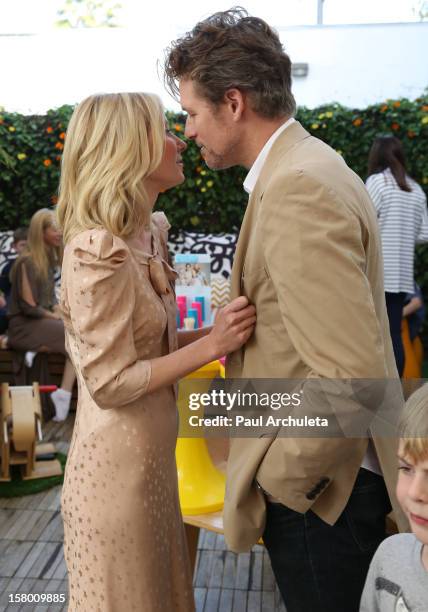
pixel 209 201
pixel 30 154
pixel 215 201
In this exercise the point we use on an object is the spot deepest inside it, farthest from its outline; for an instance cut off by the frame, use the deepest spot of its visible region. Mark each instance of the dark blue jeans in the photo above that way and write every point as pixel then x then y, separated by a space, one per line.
pixel 322 568
pixel 394 307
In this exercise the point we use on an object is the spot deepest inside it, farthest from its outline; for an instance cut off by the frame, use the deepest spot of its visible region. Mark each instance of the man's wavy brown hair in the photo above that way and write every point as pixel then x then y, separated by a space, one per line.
pixel 233 50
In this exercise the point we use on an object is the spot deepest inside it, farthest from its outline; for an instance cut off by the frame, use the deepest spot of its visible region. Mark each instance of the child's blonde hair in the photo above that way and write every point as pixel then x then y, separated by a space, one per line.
pixel 413 427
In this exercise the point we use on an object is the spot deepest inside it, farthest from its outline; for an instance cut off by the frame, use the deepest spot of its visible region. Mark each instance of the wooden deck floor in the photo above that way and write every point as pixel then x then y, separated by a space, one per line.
pixel 31 556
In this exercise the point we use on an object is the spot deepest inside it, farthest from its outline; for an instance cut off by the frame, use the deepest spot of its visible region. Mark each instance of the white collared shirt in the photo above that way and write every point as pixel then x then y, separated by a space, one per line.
pixel 256 168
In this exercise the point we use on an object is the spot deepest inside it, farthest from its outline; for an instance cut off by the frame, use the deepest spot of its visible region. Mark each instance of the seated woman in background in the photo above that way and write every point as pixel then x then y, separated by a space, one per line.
pixel 35 324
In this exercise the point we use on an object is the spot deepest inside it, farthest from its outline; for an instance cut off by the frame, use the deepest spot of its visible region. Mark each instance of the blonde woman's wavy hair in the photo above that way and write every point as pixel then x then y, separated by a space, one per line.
pixel 113 142
pixel 43 256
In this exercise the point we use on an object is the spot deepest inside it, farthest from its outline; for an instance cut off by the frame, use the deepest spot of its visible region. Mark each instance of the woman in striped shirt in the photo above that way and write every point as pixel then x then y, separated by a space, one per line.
pixel 401 207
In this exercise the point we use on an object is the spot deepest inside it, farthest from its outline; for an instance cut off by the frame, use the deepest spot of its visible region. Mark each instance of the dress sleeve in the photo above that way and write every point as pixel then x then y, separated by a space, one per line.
pixel 101 300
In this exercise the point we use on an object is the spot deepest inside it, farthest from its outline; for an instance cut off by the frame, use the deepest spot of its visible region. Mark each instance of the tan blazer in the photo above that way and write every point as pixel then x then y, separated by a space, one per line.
pixel 309 258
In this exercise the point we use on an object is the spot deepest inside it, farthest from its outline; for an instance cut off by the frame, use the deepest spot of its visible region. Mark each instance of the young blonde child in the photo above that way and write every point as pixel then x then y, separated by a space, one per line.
pixel 398 576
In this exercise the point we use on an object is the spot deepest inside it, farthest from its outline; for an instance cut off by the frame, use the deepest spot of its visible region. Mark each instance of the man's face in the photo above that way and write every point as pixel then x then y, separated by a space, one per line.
pixel 212 128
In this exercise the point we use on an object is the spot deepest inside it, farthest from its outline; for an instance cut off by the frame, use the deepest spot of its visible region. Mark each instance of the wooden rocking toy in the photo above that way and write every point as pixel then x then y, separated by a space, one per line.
pixel 20 429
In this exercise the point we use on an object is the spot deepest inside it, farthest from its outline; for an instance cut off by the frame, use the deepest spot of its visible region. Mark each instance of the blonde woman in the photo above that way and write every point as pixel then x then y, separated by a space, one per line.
pixel 124 541
pixel 35 324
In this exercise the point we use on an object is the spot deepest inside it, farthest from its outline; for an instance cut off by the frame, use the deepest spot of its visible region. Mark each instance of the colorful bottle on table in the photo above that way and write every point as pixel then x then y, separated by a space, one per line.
pixel 198 307
pixel 201 300
pixel 182 307
pixel 192 313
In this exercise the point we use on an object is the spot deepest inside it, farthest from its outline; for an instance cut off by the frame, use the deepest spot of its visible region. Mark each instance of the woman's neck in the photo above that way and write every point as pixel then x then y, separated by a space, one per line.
pixel 146 240
pixel 142 240
pixel 152 193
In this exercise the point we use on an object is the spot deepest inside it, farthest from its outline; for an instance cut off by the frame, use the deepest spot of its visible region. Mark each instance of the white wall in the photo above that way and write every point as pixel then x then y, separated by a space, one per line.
pixel 355 65
pixel 358 65
pixel 62 67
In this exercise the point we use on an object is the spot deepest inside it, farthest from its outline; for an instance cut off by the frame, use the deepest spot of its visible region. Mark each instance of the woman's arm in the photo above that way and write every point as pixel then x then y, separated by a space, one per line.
pixel 233 327
pixel 29 305
pixel 99 291
pixel 414 305
pixel 186 337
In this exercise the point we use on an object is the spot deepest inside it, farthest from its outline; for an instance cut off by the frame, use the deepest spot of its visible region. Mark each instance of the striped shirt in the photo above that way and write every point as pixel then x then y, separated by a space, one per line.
pixel 403 222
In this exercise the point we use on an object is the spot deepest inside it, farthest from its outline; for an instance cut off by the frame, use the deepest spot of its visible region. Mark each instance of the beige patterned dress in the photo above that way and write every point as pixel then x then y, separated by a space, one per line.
pixel 125 547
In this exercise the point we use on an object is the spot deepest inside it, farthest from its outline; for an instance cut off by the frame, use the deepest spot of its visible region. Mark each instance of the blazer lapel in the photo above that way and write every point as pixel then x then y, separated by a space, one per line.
pixel 282 146
pixel 242 245
pixel 291 136
pixel 234 360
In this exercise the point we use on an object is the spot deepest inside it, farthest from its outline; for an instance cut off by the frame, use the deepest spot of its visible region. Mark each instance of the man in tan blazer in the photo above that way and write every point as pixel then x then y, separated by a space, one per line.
pixel 308 257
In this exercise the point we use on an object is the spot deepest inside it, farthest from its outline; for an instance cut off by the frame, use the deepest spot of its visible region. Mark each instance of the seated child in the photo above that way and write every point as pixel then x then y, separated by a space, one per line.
pixel 397 580
pixel 18 245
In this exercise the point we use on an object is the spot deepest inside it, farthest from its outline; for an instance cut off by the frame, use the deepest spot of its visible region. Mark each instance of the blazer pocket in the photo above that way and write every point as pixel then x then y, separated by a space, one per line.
pixel 254 272
pixel 252 277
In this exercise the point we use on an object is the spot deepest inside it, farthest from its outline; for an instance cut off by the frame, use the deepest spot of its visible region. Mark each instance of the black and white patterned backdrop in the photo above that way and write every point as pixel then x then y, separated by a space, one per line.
pixel 221 247
pixel 6 252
